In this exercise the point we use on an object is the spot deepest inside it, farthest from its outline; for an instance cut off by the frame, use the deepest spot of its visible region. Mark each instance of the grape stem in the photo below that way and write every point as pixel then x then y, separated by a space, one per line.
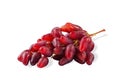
pixel 93 34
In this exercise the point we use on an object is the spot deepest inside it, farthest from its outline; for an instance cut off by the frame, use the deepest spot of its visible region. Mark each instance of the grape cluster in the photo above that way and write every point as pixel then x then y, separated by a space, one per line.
pixel 64 44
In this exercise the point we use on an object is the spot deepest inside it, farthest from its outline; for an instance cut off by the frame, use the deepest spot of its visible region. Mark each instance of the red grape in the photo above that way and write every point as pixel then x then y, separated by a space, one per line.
pixel 77 34
pixel 47 37
pixel 42 62
pixel 37 45
pixel 68 27
pixel 49 45
pixel 24 57
pixel 91 46
pixel 56 32
pixel 20 57
pixel 70 51
pixel 45 51
pixel 84 43
pixel 56 42
pixel 65 40
pixel 58 50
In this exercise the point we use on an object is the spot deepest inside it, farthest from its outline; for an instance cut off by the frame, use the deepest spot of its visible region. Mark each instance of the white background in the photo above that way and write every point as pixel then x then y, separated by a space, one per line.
pixel 22 22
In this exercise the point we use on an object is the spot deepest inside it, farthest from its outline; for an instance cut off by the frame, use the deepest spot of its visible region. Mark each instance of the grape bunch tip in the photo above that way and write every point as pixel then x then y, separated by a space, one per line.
pixel 75 45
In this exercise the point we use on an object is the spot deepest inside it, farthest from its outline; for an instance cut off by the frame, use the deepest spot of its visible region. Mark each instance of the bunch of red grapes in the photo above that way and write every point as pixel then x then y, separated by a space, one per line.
pixel 64 44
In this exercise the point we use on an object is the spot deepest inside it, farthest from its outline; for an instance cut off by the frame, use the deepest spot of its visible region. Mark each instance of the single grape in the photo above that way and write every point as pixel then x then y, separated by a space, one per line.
pixel 79 60
pixel 56 42
pixel 80 57
pixel 56 32
pixel 90 47
pixel 42 62
pixel 64 61
pixel 58 57
pixel 90 58
pixel 37 45
pixel 70 51
pixel 45 51
pixel 68 27
pixel 20 57
pixel 65 40
pixel 32 49
pixel 84 43
pixel 77 34
pixel 35 57
pixel 58 50
pixel 24 57
pixel 47 37
pixel 49 45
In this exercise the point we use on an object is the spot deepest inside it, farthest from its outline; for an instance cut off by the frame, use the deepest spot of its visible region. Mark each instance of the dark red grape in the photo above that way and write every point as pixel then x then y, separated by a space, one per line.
pixel 80 57
pixel 90 58
pixel 64 61
pixel 58 57
pixel 35 57
pixel 79 60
